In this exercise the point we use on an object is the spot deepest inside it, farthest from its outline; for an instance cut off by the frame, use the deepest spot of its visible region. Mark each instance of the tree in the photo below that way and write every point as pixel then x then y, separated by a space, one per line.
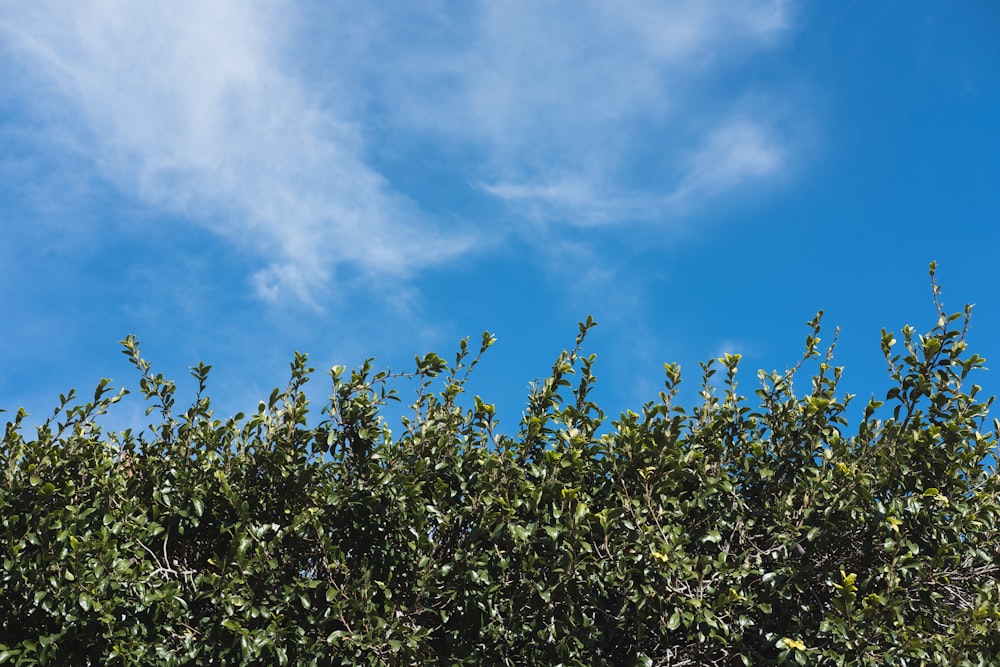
pixel 733 533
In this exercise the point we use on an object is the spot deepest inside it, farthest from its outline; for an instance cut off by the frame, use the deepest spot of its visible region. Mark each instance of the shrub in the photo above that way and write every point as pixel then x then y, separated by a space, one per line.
pixel 735 533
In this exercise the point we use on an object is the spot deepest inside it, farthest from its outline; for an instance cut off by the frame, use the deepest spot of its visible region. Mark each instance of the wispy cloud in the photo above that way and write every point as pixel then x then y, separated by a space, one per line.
pixel 193 107
pixel 260 120
pixel 590 112
pixel 736 152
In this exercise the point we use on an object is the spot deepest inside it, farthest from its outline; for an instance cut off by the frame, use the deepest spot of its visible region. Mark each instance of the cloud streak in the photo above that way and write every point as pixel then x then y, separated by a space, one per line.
pixel 571 104
pixel 188 107
pixel 259 120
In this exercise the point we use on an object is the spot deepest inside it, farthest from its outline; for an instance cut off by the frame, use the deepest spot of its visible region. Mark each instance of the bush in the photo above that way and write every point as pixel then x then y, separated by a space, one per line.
pixel 733 534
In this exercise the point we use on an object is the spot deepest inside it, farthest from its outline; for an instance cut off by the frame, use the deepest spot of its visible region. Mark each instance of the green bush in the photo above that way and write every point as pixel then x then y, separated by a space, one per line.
pixel 737 533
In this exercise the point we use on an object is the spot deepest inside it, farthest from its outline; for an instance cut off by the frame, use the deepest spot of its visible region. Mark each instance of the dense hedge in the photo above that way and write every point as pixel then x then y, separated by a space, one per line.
pixel 735 533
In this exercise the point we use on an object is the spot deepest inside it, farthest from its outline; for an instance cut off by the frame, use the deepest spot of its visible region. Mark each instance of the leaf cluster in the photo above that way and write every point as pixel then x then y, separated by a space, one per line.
pixel 739 532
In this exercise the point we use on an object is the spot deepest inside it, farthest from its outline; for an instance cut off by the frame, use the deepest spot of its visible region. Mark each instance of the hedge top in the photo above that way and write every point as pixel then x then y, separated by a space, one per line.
pixel 737 532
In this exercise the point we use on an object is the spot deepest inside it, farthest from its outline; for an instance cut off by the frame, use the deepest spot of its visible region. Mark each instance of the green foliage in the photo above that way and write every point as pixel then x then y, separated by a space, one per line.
pixel 736 533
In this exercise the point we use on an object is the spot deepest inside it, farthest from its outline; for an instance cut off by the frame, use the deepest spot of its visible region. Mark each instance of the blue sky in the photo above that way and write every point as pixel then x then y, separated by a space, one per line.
pixel 237 180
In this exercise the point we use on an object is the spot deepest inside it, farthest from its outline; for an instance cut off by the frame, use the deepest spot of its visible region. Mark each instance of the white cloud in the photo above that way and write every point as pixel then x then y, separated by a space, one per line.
pixel 191 106
pixel 736 152
pixel 568 100
pixel 259 120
